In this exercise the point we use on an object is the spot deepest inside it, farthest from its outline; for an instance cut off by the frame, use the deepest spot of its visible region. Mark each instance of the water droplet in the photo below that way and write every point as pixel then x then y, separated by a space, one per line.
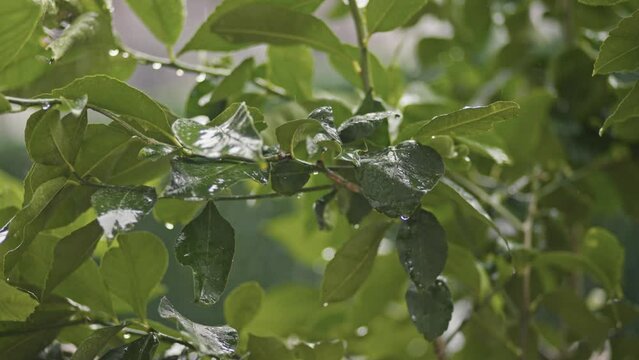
pixel 201 77
pixel 299 196
pixel 125 55
pixel 315 172
pixel 356 226
pixel 114 52
pixel 325 304
pixel 328 253
pixel 179 72
pixel 46 106
pixel 156 66
pixel 361 331
pixel 126 336
pixel 404 217
pixel 169 226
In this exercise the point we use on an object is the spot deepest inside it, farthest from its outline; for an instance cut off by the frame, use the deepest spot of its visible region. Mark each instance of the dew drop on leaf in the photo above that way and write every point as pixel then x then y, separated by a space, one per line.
pixel 114 52
pixel 125 55
pixel 201 77
pixel 169 226
pixel 361 331
pixel 404 217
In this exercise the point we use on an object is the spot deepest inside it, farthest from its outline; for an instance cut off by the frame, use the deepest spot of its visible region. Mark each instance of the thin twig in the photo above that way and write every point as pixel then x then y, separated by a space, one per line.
pixel 270 195
pixel 362 39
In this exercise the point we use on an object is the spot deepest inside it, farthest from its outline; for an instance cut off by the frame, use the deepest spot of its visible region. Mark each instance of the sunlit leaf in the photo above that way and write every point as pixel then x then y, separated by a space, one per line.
pixel 120 208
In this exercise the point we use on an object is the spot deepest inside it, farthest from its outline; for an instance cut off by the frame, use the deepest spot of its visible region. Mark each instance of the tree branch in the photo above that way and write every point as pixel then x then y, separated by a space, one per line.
pixel 362 39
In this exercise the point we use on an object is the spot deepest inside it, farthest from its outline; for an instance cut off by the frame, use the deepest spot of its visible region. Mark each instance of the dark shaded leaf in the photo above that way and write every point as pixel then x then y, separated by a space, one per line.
pixel 422 248
pixel 430 309
pixel 120 208
pixel 207 245
pixel 289 176
pixel 319 207
pixel 353 261
pixel 141 349
pixel 95 344
pixel 394 180
pixel 134 268
pixel 203 180
pixel 242 304
pixel 237 137
pixel 210 340
pixel 372 127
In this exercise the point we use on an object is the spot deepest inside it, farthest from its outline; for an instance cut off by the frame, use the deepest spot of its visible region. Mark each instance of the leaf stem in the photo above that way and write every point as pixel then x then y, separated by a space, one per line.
pixel 270 195
pixel 148 59
pixel 337 178
pixel 362 39
pixel 32 102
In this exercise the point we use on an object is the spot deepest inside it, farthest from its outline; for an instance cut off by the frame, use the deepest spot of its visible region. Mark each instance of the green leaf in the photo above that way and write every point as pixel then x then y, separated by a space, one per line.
pixel 164 18
pixel 52 140
pixel 327 350
pixel 628 109
pixel 15 305
pixel 489 145
pixel 207 245
pixel 422 248
pixel 470 120
pixel 205 39
pixel 108 93
pixel 307 138
pixel 70 253
pixel 604 250
pixel 203 180
pixel 353 262
pixel 29 221
pixel 237 137
pixel 291 67
pixel 386 15
pixel 141 349
pixel 394 180
pixel 620 51
pixel 5 106
pixel 95 344
pixel 210 340
pixel 371 128
pixel 176 211
pixel 81 29
pixel 320 209
pixel 268 348
pixel 453 191
pixel 289 176
pixel 571 262
pixel 601 2
pixel 234 82
pixel 431 309
pixel 134 268
pixel 120 208
pixel 86 286
pixel 242 304
pixel 266 23
pixel 18 20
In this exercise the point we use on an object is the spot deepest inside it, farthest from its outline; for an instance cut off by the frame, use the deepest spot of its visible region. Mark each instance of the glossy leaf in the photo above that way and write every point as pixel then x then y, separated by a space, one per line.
pixel 242 304
pixel 628 109
pixel 163 18
pixel 52 140
pixel 70 253
pixel 291 67
pixel 134 268
pixel 393 180
pixel 267 348
pixel 470 120
pixel 430 309
pixel 237 137
pixel 15 305
pixel 118 97
pixel 207 245
pixel 386 15
pixel 620 51
pixel 203 180
pixel 141 349
pixel 288 176
pixel 371 128
pixel 120 208
pixel 422 248
pixel 210 340
pixel 96 343
pixel 353 262
pixel 306 139
pixel 266 23
pixel 18 20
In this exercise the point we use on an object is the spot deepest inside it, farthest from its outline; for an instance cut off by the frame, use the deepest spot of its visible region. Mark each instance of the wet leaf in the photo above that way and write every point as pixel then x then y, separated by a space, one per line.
pixel 620 51
pixel 235 138
pixel 353 261
pixel 289 176
pixel 210 340
pixel 15 305
pixel 51 140
pixel 134 268
pixel 120 208
pixel 422 248
pixel 96 343
pixel 163 18
pixel 430 309
pixel 372 127
pixel 305 139
pixel 70 252
pixel 81 29
pixel 203 180
pixel 207 245
pixel 242 304
pixel 394 179
pixel 141 349
pixel 470 120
